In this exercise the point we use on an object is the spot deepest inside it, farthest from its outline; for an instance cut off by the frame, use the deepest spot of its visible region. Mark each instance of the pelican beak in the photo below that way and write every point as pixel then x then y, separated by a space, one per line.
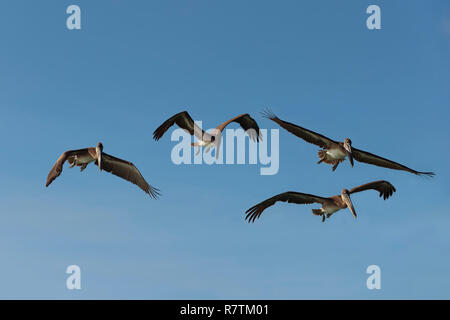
pixel 348 202
pixel 348 148
pixel 100 161
pixel 217 150
pixel 217 142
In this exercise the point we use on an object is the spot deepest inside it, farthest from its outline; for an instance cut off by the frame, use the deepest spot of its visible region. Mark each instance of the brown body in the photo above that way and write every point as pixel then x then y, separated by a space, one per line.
pixel 334 154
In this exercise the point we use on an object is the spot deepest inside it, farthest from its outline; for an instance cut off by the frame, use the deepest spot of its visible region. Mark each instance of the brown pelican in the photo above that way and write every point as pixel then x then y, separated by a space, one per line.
pixel 121 168
pixel 329 205
pixel 184 121
pixel 334 152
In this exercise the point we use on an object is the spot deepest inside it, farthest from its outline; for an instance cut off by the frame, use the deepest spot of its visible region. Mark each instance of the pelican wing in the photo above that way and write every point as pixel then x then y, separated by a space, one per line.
pixel 291 197
pixel 385 188
pixel 305 134
pixel 184 121
pixel 126 170
pixel 58 166
pixel 247 123
pixel 367 157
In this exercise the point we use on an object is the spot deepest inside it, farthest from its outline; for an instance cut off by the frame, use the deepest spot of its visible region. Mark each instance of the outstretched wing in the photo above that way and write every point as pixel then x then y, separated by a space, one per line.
pixel 58 166
pixel 126 170
pixel 385 188
pixel 184 121
pixel 367 157
pixel 291 197
pixel 305 134
pixel 247 123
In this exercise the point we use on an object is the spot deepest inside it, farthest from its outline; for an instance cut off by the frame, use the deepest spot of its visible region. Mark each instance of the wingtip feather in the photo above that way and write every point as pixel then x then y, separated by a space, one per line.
pixel 267 113
pixel 154 193
pixel 426 174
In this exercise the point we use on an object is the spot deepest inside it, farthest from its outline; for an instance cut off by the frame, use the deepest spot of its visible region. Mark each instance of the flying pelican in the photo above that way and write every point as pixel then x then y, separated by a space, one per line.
pixel 184 121
pixel 334 152
pixel 329 205
pixel 121 168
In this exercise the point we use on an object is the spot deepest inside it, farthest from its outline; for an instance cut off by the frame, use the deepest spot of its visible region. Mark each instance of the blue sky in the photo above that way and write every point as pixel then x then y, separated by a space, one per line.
pixel 132 65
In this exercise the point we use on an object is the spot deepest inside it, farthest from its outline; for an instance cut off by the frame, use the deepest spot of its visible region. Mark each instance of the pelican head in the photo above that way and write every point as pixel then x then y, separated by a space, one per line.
pixel 99 150
pixel 345 196
pixel 348 149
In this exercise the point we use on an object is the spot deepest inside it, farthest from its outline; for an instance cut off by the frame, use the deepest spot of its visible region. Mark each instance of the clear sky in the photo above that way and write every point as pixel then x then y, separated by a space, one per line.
pixel 135 63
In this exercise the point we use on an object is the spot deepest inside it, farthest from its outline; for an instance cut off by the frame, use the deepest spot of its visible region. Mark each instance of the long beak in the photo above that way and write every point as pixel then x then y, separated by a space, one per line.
pixel 349 153
pixel 100 161
pixel 217 149
pixel 217 142
pixel 349 204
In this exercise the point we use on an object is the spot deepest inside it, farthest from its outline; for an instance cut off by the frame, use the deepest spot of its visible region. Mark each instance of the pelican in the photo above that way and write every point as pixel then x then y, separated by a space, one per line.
pixel 334 152
pixel 329 205
pixel 184 121
pixel 121 168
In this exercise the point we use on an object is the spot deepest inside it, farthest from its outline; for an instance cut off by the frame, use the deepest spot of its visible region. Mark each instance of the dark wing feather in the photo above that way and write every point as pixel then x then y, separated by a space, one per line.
pixel 126 170
pixel 58 166
pixel 367 157
pixel 305 134
pixel 183 120
pixel 291 197
pixel 247 123
pixel 250 126
pixel 385 188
